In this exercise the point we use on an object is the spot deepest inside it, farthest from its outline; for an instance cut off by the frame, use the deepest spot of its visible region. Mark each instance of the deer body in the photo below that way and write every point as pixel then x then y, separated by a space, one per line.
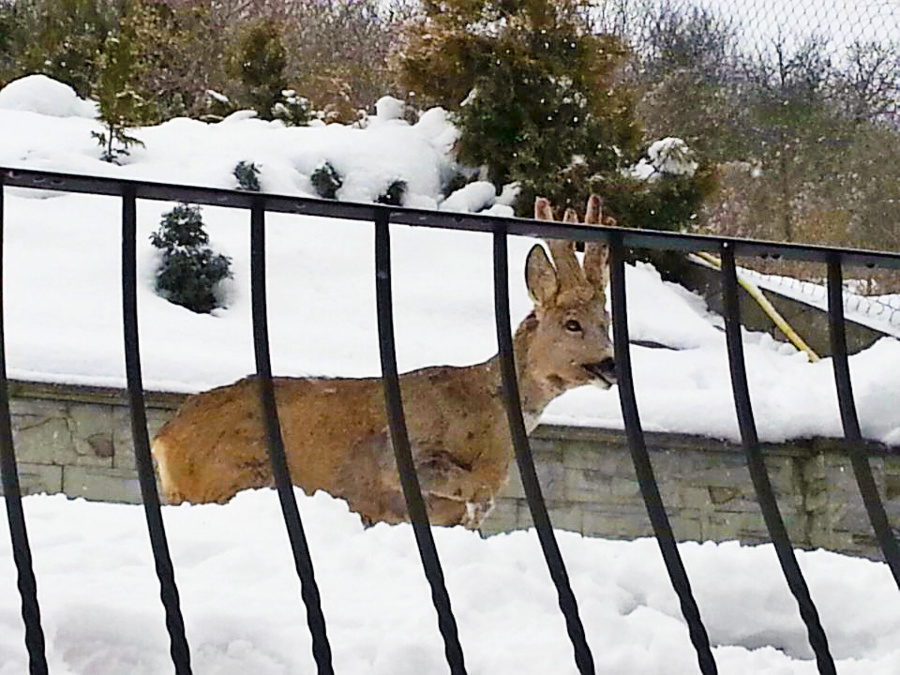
pixel 335 430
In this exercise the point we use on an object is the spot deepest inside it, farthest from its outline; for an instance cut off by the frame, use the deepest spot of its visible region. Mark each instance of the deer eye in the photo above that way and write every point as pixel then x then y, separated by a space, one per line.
pixel 573 326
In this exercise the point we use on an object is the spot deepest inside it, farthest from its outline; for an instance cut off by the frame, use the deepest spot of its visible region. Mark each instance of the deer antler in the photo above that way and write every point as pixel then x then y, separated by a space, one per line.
pixel 569 273
pixel 596 254
pixel 572 279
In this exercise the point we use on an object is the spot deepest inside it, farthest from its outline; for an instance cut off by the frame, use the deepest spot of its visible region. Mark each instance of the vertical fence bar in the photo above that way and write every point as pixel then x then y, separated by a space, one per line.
pixel 644 469
pixel 168 591
pixel 31 613
pixel 583 657
pixel 309 590
pixel 757 466
pixel 412 492
pixel 850 421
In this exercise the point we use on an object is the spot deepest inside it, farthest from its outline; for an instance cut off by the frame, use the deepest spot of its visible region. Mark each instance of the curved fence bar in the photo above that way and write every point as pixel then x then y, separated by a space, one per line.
pixel 31 612
pixel 168 591
pixel 644 469
pixel 309 591
pixel 412 491
pixel 757 466
pixel 583 657
pixel 850 421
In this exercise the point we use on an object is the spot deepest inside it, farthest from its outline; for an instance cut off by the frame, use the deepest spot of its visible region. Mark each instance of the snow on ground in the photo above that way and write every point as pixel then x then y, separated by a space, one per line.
pixel 240 598
pixel 99 596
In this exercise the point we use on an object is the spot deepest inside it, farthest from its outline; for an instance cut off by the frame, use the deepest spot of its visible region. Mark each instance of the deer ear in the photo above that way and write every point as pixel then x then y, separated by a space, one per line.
pixel 540 277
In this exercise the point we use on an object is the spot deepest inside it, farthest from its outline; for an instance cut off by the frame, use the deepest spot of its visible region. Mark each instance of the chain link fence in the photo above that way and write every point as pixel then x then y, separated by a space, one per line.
pixel 796 103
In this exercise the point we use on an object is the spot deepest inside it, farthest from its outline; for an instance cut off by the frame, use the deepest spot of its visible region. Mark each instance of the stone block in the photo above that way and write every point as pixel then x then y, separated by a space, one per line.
pixel 739 525
pixel 92 436
pixel 693 498
pixel 687 524
pixel 102 484
pixel 587 485
pixel 550 476
pixel 38 478
pixel 503 518
pixel 720 495
pixel 615 522
pixel 563 516
pixel 41 433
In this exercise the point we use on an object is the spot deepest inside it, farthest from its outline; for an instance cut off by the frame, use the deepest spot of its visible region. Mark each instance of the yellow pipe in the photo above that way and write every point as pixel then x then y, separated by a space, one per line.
pixel 767 307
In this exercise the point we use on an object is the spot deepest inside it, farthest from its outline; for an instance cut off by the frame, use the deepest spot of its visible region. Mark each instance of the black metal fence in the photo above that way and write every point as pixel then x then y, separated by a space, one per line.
pixel 382 217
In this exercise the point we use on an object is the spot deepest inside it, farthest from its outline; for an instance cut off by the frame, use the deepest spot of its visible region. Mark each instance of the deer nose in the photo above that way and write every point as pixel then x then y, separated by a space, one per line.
pixel 608 369
pixel 605 369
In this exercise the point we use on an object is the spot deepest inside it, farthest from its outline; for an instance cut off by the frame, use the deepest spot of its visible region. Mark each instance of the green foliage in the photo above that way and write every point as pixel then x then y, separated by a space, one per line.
pixel 326 181
pixel 293 110
pixel 247 174
pixel 531 88
pixel 62 39
pixel 394 194
pixel 121 108
pixel 258 61
pixel 671 203
pixel 180 54
pixel 189 270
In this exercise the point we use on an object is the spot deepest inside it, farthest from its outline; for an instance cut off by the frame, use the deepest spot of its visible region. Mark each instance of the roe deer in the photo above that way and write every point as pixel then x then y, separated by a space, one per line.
pixel 335 430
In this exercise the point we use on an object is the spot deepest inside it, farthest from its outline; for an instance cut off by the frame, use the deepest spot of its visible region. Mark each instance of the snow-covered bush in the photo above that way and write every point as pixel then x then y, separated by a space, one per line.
pixel 394 194
pixel 293 110
pixel 247 174
pixel 326 181
pixel 189 272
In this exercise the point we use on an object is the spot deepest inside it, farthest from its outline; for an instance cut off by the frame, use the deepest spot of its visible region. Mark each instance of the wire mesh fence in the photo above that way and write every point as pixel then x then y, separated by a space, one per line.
pixel 795 103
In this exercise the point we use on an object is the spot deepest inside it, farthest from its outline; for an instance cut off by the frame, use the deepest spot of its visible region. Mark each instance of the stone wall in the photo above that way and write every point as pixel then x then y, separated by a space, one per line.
pixel 588 481
pixel 77 440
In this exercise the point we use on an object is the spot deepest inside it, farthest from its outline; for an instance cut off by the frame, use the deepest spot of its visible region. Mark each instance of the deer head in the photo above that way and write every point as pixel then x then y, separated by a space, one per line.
pixel 566 339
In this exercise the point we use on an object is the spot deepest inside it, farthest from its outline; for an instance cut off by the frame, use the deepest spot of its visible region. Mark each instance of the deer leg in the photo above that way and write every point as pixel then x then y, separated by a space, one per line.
pixel 454 494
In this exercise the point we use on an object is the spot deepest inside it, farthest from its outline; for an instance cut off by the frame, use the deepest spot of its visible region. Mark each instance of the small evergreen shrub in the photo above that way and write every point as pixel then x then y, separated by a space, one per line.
pixel 393 196
pixel 247 174
pixel 189 271
pixel 293 110
pixel 258 60
pixel 326 181
pixel 121 107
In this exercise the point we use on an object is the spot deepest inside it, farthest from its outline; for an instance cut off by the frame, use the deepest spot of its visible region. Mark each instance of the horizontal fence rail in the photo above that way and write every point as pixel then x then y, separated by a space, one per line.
pixel 382 218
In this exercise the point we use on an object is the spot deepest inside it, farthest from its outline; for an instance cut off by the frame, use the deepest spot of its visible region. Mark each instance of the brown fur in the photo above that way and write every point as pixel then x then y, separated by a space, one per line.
pixel 335 430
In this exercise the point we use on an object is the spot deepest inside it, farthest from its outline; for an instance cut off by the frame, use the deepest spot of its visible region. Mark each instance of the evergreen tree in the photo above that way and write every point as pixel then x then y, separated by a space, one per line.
pixel 532 90
pixel 189 271
pixel 62 39
pixel 121 107
pixel 258 62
